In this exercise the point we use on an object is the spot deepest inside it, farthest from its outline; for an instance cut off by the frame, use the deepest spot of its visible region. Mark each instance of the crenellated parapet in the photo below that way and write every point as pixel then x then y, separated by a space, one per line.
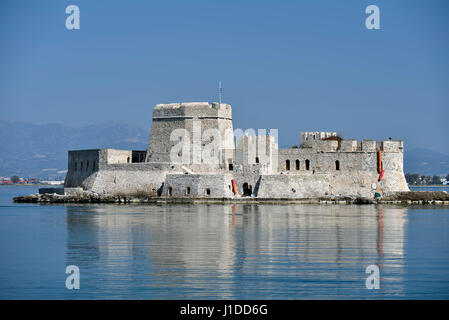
pixel 188 110
pixel 308 138
pixel 351 145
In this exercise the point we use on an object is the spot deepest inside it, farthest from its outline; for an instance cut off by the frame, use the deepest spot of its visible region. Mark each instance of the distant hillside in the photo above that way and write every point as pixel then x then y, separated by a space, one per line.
pixel 31 150
pixel 426 162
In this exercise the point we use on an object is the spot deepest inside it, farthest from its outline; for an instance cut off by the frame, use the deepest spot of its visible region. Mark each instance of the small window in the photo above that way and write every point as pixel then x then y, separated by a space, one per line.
pixel 170 191
pixel 207 191
pixel 93 166
pixel 87 165
pixel 307 165
pixel 81 166
pixel 287 165
pixel 127 160
pixel 337 165
pixel 187 190
pixel 257 159
pixel 231 167
pixel 76 166
pixel 297 164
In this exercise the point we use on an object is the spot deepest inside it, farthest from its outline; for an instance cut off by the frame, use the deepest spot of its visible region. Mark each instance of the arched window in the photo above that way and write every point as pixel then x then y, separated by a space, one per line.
pixel 127 160
pixel 257 159
pixel 337 165
pixel 307 165
pixel 170 191
pixel 297 164
pixel 207 192
pixel 287 164
pixel 187 190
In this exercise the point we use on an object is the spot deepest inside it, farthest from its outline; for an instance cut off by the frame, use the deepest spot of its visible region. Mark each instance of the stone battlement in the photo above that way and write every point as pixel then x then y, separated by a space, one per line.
pixel 350 145
pixel 192 110
pixel 306 138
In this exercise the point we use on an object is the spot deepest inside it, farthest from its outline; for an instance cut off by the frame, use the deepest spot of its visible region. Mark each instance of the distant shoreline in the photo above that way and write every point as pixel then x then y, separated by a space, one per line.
pixel 31 184
pixel 429 185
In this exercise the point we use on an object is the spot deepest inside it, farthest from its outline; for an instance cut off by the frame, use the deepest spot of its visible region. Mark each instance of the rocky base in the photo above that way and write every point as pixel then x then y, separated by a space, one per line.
pixel 419 196
pixel 406 198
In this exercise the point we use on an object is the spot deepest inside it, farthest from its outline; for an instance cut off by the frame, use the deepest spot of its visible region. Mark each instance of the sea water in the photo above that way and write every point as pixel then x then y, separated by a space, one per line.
pixel 222 251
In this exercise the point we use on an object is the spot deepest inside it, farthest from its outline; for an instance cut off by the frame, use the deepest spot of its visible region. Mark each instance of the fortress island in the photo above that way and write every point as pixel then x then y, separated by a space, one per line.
pixel 324 167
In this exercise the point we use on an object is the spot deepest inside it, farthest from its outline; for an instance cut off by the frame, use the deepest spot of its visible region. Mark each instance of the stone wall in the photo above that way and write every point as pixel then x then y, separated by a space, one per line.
pixel 82 167
pixel 111 171
pixel 294 186
pixel 356 175
pixel 118 156
pixel 128 182
pixel 197 186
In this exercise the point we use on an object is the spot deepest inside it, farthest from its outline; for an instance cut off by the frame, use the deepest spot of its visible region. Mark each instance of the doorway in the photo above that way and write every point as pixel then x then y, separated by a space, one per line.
pixel 247 190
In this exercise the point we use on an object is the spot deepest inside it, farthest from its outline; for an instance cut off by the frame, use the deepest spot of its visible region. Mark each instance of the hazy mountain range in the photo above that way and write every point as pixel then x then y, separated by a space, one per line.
pixel 32 150
pixel 426 162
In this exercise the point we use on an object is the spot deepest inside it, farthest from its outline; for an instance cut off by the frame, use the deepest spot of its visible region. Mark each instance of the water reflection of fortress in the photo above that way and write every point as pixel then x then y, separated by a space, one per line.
pixel 220 243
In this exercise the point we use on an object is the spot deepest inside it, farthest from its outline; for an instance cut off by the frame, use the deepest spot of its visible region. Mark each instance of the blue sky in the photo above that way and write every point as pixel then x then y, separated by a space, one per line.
pixel 292 65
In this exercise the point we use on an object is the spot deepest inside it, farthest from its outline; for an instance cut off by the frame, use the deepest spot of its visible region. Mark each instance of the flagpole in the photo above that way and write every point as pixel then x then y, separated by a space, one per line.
pixel 219 92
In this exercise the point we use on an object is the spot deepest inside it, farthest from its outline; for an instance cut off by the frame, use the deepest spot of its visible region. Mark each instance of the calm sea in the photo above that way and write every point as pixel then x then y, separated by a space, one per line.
pixel 222 251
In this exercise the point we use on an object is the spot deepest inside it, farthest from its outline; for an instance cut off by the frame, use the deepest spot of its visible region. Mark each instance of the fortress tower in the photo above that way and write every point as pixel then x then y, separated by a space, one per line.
pixel 196 118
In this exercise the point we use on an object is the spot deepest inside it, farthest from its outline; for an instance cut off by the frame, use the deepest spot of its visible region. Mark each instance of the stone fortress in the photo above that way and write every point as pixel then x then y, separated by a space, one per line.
pixel 323 166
